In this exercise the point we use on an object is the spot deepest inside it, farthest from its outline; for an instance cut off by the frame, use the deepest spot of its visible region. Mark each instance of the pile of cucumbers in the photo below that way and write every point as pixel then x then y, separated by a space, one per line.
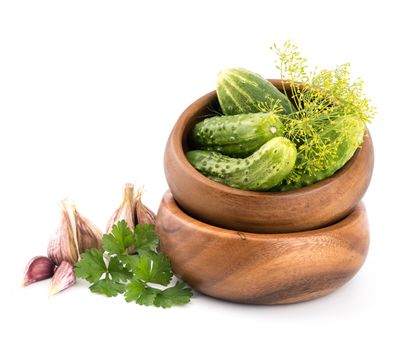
pixel 247 147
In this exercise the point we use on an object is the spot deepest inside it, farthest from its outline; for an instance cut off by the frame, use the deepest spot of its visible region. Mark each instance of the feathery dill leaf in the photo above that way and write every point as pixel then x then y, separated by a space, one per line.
pixel 324 99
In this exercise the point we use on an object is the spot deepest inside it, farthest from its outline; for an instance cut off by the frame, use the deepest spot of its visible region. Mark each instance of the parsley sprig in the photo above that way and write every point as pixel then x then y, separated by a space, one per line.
pixel 113 271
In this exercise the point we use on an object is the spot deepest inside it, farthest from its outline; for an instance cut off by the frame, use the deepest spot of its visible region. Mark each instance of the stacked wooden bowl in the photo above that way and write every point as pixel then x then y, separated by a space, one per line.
pixel 262 247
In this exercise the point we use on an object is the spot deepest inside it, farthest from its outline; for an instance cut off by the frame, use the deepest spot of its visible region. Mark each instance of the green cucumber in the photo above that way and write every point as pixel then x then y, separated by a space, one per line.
pixel 236 135
pixel 262 170
pixel 348 133
pixel 240 91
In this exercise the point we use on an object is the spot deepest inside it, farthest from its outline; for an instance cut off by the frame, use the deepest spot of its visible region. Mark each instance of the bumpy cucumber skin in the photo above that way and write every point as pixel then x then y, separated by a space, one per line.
pixel 241 91
pixel 236 135
pixel 262 170
pixel 355 130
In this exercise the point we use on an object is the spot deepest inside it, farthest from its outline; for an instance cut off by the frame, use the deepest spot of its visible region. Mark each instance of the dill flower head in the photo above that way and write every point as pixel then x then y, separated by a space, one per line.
pixel 329 109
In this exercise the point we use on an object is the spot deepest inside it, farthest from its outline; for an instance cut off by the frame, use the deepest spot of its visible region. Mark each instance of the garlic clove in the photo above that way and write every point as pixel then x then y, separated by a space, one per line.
pixel 39 268
pixel 126 210
pixel 143 214
pixel 74 235
pixel 63 245
pixel 63 278
pixel 88 235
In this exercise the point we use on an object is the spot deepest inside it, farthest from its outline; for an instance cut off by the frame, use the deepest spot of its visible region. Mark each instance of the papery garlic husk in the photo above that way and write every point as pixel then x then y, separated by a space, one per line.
pixel 126 210
pixel 63 278
pixel 74 235
pixel 88 235
pixel 142 213
pixel 38 269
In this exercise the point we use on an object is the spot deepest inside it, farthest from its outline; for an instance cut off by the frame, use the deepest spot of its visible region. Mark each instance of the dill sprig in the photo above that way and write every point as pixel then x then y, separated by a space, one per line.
pixel 327 103
pixel 271 105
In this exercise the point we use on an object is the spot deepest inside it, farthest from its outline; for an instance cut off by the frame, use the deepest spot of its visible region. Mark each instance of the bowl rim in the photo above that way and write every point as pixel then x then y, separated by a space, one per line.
pixel 171 205
pixel 177 136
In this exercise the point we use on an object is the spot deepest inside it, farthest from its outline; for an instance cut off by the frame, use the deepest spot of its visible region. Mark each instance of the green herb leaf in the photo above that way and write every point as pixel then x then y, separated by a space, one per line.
pixel 145 239
pixel 154 268
pixel 120 238
pixel 91 266
pixel 180 294
pixel 147 297
pixel 117 270
pixel 140 293
pixel 130 261
pixel 134 291
pixel 108 287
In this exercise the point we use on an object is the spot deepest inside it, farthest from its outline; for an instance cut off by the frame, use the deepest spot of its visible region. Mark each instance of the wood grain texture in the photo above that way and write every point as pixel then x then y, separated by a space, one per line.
pixel 311 207
pixel 262 268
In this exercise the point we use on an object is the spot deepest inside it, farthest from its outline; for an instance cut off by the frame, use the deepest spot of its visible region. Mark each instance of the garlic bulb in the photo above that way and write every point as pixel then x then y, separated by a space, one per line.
pixel 74 235
pixel 126 210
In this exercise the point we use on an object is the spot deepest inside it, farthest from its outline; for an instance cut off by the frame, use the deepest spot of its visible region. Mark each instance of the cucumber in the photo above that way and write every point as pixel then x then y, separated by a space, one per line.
pixel 241 91
pixel 236 135
pixel 262 170
pixel 348 133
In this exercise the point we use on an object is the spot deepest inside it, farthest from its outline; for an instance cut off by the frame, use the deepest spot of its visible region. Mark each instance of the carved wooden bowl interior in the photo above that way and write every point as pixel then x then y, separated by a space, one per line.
pixel 311 207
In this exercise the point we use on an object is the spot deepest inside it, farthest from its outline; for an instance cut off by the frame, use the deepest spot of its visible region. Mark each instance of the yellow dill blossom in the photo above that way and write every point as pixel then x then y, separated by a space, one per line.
pixel 327 106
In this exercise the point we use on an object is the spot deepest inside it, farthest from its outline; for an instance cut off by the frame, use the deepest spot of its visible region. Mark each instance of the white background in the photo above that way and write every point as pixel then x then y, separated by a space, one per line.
pixel 89 91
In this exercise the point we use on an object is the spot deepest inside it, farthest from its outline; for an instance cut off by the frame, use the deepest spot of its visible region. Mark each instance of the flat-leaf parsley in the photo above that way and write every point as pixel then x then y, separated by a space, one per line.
pixel 113 271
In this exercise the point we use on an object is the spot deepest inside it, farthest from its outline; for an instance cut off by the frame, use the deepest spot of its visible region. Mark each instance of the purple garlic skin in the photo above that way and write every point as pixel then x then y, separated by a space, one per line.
pixel 63 278
pixel 39 268
pixel 88 235
pixel 63 243
pixel 74 235
pixel 143 214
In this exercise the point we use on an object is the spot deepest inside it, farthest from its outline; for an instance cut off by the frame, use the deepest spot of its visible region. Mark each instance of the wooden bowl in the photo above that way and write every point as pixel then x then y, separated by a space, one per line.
pixel 311 207
pixel 262 268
